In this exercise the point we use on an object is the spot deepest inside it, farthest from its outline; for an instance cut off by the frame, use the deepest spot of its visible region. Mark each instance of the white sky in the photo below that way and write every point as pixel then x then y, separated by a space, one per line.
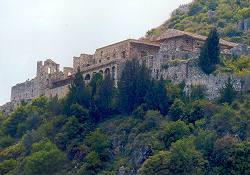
pixel 33 30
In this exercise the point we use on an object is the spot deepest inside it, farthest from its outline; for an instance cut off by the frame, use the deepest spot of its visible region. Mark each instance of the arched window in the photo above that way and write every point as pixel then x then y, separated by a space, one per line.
pixel 87 77
pixel 107 71
pixel 124 54
pixel 49 70
pixel 101 72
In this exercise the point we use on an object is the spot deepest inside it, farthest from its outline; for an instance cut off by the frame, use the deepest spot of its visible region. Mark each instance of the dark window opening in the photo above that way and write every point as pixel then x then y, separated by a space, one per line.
pixel 124 54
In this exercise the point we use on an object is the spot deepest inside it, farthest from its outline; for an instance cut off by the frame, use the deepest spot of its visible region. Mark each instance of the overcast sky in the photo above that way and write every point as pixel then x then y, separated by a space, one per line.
pixel 33 30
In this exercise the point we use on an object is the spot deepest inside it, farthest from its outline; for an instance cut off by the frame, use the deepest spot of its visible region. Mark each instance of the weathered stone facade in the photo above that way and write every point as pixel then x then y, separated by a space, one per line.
pixel 189 72
pixel 173 55
pixel 177 61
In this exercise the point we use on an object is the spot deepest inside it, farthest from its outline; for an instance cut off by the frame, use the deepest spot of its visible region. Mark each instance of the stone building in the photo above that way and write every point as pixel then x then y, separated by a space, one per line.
pixel 177 44
pixel 172 56
pixel 177 60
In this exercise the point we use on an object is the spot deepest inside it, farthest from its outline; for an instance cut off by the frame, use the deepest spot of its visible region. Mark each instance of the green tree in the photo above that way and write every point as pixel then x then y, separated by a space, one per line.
pixel 156 97
pixel 196 111
pixel 55 106
pixel 177 110
pixel 16 118
pixel 197 92
pixel 98 142
pixel 210 53
pixel 133 85
pixel 7 166
pixel 78 93
pixel 194 9
pixel 185 159
pixel 95 82
pixel 225 121
pixel 182 159
pixel 228 93
pixel 44 161
pixel 158 164
pixel 79 112
pixel 173 131
pixel 104 96
pixel 142 82
pixel 204 142
pixel 93 163
pixel 231 157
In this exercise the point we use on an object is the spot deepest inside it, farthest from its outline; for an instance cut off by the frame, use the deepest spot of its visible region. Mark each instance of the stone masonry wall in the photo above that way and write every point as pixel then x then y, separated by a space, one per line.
pixel 24 91
pixel 141 50
pixel 190 73
pixel 117 50
pixel 84 60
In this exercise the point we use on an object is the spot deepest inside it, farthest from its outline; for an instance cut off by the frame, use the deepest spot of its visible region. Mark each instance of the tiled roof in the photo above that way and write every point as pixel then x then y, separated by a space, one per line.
pixel 172 33
pixel 131 41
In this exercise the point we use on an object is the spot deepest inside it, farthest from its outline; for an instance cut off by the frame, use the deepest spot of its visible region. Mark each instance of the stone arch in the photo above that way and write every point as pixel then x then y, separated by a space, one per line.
pixel 87 77
pixel 101 72
pixel 49 70
pixel 107 71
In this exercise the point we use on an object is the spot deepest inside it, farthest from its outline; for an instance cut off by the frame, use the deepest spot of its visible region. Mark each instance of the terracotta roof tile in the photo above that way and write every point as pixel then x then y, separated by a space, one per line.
pixel 172 33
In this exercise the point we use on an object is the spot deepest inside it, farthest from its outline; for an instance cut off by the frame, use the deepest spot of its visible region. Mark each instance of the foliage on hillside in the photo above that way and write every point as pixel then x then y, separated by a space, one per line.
pixel 238 66
pixel 143 127
pixel 203 15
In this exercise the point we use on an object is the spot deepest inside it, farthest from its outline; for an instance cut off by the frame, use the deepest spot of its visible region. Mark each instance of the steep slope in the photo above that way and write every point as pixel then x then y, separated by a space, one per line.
pixel 231 17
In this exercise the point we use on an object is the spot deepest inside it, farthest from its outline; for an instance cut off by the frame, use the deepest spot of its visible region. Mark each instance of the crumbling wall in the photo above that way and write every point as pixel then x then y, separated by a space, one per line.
pixel 139 50
pixel 83 61
pixel 24 91
pixel 190 73
pixel 179 47
pixel 7 108
pixel 114 51
pixel 60 91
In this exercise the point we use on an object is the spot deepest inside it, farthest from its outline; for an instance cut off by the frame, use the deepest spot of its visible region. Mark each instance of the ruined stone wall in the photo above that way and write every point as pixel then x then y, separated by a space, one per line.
pixel 60 91
pixel 139 50
pixel 61 88
pixel 118 50
pixel 47 72
pixel 44 71
pixel 67 71
pixel 24 91
pixel 7 108
pixel 190 73
pixel 240 50
pixel 179 47
pixel 84 60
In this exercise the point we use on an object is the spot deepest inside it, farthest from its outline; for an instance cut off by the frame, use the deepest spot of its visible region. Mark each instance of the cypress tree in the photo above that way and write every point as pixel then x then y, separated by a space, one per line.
pixel 77 93
pixel 105 95
pixel 142 84
pixel 133 85
pixel 156 97
pixel 126 86
pixel 95 82
pixel 228 93
pixel 210 53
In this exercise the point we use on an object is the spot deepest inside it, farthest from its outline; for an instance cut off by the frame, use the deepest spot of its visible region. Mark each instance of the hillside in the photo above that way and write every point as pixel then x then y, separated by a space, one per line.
pixel 231 17
pixel 143 127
